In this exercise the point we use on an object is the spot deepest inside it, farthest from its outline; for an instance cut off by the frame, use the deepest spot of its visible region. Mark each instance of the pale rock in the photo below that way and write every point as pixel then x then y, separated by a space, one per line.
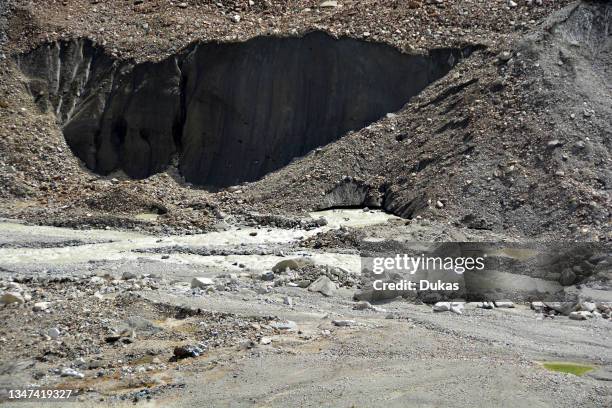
pixel 69 372
pixel 586 306
pixel 54 333
pixel 456 307
pixel 323 285
pixel 201 283
pixel 442 307
pixel 96 280
pixel 583 315
pixel 11 297
pixel 41 306
pixel 284 325
pixel 328 4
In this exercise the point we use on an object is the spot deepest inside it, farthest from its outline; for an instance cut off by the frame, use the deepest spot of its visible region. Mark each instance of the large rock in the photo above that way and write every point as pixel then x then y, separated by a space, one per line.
pixel 284 325
pixel 583 315
pixel 323 285
pixel 442 307
pixel 201 283
pixel 187 351
pixel 291 264
pixel 11 297
pixel 568 277
pixel 344 323
pixel 41 306
pixel 563 308
pixel 69 372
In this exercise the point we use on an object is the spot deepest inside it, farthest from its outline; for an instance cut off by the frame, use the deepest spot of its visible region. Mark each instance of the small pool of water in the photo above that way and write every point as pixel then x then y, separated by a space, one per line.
pixel 567 367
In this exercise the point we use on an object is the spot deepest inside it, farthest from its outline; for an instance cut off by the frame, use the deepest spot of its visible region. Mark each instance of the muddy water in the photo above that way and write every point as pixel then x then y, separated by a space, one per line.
pixel 109 245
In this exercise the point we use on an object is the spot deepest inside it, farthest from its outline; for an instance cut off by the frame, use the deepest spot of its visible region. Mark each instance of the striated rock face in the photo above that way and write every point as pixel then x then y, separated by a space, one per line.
pixel 230 112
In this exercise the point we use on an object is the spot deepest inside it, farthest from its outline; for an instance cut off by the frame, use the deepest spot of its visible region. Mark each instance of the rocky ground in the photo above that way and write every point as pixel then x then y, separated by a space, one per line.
pixel 515 140
pixel 262 318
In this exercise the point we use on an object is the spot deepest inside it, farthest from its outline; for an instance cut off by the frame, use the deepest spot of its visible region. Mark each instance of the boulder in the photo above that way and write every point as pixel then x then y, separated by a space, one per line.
pixel 69 372
pixel 442 307
pixel 344 323
pixel 323 285
pixel 41 306
pixel 128 275
pixel 11 297
pixel 563 308
pixel 54 333
pixel 583 315
pixel 201 283
pixel 457 307
pixel 187 352
pixel 567 278
pixel 284 325
pixel 586 306
pixel 291 264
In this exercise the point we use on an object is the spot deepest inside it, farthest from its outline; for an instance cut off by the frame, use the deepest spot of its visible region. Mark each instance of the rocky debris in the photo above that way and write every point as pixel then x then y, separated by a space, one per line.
pixel 11 297
pixel 280 221
pixel 187 351
pixel 342 237
pixel 82 328
pixel 265 341
pixel 490 22
pixel 575 310
pixel 323 285
pixel 309 274
pixel 504 304
pixel 344 323
pixel 202 283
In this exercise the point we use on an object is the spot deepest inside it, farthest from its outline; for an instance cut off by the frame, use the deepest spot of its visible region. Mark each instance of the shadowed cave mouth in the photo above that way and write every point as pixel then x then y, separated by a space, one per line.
pixel 230 112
